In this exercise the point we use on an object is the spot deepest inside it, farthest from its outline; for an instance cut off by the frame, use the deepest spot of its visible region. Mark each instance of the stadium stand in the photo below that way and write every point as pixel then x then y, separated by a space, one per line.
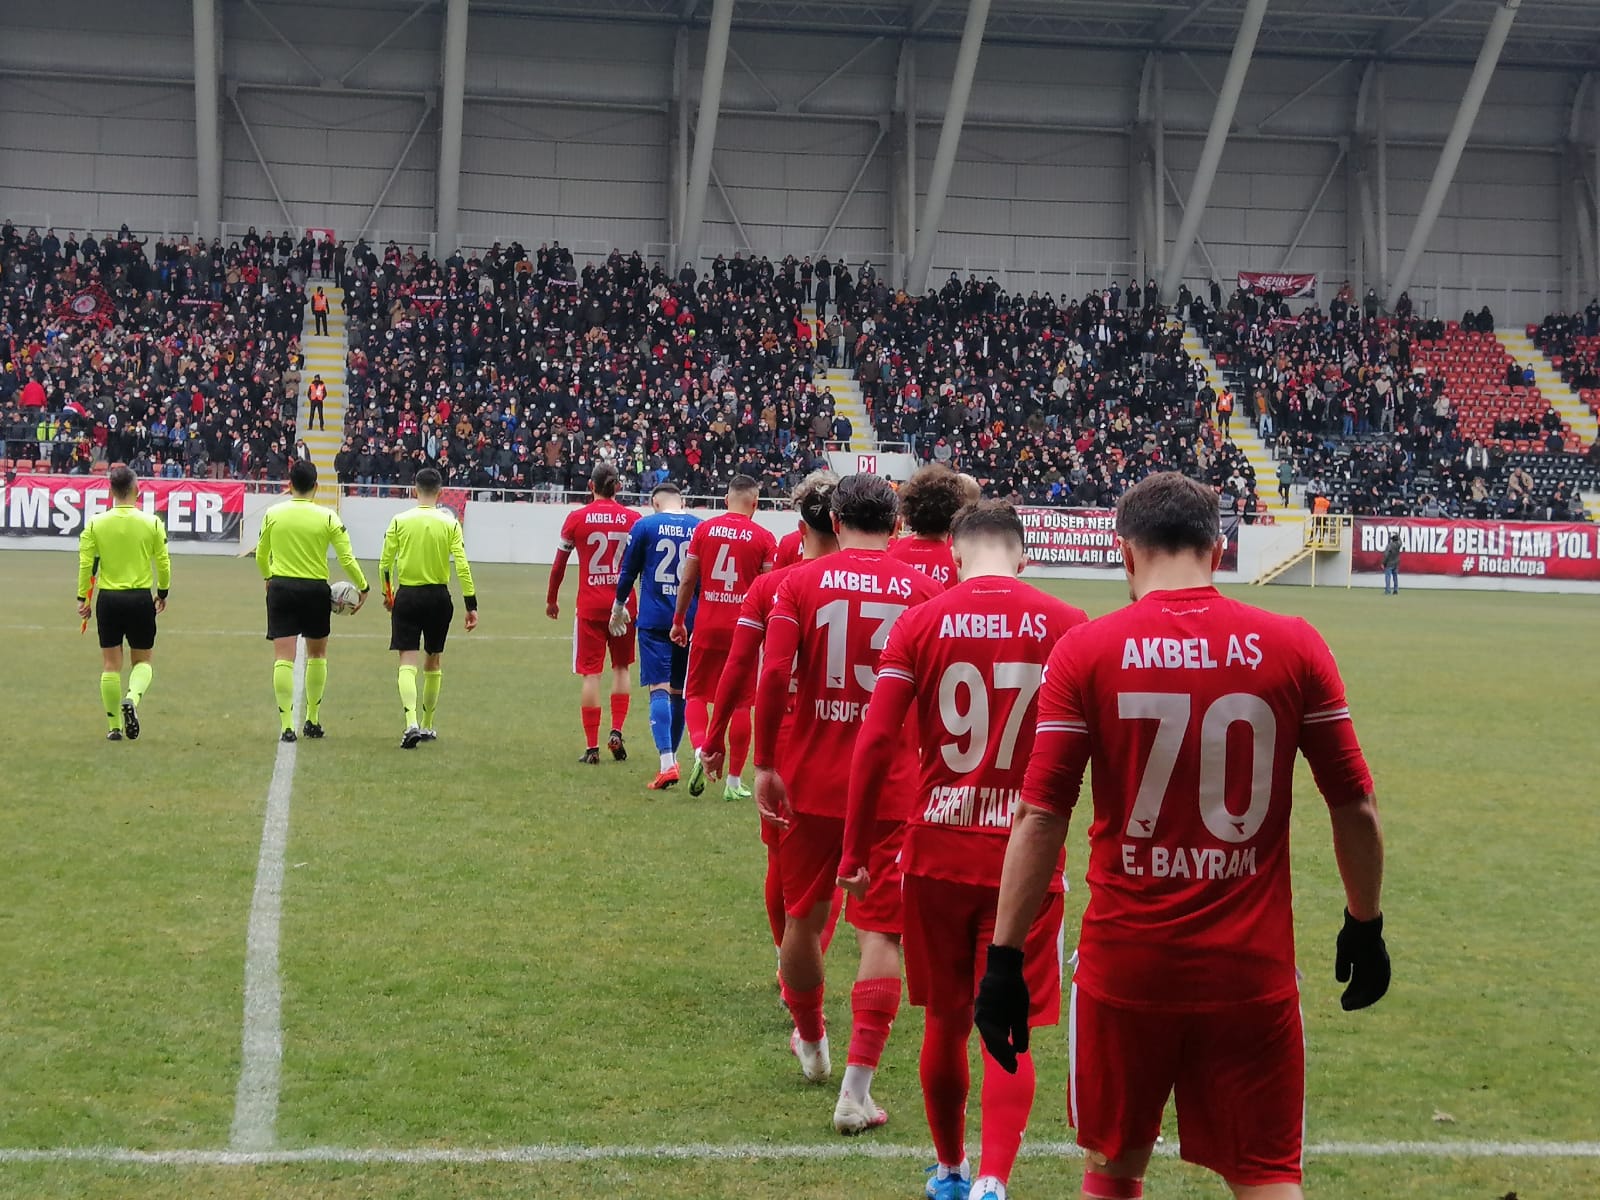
pixel 179 362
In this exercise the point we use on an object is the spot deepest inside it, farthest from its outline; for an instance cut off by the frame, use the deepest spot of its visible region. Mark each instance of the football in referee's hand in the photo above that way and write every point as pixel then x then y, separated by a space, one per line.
pixel 345 596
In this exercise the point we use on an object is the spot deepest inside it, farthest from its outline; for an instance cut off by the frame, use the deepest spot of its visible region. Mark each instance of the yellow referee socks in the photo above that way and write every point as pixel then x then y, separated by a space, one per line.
pixel 283 689
pixel 316 686
pixel 408 694
pixel 432 681
pixel 139 681
pixel 111 698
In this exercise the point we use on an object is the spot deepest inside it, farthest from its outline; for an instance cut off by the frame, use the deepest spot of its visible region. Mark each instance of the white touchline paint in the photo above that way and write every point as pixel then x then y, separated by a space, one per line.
pixel 710 1152
pixel 255 1105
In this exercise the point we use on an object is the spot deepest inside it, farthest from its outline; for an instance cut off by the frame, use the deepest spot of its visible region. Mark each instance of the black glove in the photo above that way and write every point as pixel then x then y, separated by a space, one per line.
pixel 1361 960
pixel 1001 1014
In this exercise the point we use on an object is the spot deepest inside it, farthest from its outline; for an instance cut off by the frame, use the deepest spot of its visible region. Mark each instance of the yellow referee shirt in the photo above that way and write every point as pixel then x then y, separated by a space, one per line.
pixel 119 545
pixel 294 541
pixel 419 547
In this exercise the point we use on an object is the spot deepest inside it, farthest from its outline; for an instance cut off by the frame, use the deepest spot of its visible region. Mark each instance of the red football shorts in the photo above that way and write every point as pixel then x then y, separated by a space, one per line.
pixel 808 861
pixel 592 641
pixel 948 928
pixel 705 670
pixel 1237 1075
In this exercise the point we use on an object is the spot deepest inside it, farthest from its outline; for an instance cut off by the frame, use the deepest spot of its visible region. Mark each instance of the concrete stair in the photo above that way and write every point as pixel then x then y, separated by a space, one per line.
pixel 847 398
pixel 325 356
pixel 1243 434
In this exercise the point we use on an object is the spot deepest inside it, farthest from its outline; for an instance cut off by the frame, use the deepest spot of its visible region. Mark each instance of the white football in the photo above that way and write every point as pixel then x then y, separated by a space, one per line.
pixel 345 596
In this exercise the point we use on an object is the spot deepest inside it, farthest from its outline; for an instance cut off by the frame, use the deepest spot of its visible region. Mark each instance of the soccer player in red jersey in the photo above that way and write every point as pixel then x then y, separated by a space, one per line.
pixel 599 533
pixel 827 630
pixel 965 667
pixel 791 547
pixel 1191 707
pixel 813 500
pixel 725 556
pixel 929 501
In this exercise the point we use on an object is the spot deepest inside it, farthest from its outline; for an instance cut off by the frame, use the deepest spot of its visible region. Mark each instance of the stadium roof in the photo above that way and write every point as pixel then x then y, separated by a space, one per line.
pixel 1551 34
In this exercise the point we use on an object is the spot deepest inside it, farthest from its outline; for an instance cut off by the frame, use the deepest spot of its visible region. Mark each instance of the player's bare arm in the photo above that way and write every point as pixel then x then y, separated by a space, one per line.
pixel 1361 958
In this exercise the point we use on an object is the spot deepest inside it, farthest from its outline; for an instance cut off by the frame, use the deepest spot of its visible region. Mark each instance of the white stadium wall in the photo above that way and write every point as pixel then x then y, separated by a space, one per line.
pixel 568 127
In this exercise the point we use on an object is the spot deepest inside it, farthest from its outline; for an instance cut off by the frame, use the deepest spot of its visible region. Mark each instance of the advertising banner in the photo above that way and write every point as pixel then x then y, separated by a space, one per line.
pixel 1497 549
pixel 1087 537
pixel 1282 282
pixel 198 510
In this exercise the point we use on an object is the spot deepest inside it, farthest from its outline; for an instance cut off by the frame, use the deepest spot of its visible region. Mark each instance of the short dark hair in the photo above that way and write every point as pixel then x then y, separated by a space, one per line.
pixel 990 518
pixel 604 480
pixel 743 483
pixel 813 500
pixel 303 475
pixel 122 480
pixel 1168 512
pixel 930 499
pixel 429 480
pixel 866 503
pixel 665 486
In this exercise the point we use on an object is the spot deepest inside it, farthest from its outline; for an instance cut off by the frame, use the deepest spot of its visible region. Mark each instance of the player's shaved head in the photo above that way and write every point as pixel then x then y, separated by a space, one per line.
pixel 1169 513
pixel 123 481
pixel 866 504
pixel 930 499
pixel 429 481
pixel 665 497
pixel 303 477
pixel 604 480
pixel 993 519
pixel 813 500
pixel 744 494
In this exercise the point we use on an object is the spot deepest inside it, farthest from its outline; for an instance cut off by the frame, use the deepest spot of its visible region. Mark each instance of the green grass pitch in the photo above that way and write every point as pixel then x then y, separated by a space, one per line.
pixel 484 945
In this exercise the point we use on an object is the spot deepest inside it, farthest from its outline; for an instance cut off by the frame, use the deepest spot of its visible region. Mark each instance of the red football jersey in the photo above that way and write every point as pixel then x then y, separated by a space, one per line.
pixel 967 665
pixel 791 549
pixel 737 686
pixel 732 550
pixel 932 558
pixel 599 533
pixel 1191 707
pixel 832 618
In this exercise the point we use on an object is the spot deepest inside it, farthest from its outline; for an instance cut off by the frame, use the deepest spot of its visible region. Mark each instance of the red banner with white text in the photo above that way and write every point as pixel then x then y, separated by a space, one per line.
pixel 1496 549
pixel 1282 282
pixel 195 510
pixel 1087 537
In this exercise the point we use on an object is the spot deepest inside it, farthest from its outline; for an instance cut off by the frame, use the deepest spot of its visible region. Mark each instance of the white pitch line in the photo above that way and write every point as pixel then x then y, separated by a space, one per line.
pixel 712 1152
pixel 255 1105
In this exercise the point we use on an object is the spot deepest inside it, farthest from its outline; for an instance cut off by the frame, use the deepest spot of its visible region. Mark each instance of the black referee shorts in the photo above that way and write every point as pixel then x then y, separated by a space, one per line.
pixel 129 615
pixel 421 617
pixel 301 607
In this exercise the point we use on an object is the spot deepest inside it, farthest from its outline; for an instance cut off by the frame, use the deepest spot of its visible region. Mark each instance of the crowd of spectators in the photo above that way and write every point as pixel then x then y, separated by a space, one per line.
pixel 177 358
pixel 1572 340
pixel 1352 415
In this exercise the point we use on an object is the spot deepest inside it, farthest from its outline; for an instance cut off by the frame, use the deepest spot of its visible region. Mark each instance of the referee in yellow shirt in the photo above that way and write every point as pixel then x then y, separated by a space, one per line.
pixel 116 549
pixel 417 551
pixel 292 556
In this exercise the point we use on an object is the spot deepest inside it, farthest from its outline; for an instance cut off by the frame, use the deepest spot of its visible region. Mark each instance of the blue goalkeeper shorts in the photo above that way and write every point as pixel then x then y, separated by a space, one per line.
pixel 660 661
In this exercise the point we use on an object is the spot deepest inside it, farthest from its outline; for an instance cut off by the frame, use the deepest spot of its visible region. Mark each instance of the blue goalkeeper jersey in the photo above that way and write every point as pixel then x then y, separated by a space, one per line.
pixel 654 558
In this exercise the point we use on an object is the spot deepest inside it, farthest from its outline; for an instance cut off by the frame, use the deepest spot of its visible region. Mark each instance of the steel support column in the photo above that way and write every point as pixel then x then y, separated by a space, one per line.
pixel 1381 124
pixel 452 102
pixel 1205 175
pixel 909 207
pixel 1450 156
pixel 1158 172
pixel 705 130
pixel 207 120
pixel 678 127
pixel 944 157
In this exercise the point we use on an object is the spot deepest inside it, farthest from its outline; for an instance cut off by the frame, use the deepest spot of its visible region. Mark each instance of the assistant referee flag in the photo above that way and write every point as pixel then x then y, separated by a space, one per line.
pixel 294 541
pixel 418 549
pixel 124 541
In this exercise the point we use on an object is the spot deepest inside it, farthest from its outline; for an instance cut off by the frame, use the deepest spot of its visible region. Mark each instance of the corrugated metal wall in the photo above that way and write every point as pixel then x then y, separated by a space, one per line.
pixel 1046 207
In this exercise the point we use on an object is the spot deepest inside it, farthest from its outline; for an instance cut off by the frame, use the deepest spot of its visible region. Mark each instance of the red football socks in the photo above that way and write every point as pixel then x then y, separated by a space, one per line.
pixel 776 917
pixel 696 719
pixel 591 726
pixel 738 740
pixel 873 1005
pixel 619 708
pixel 945 1081
pixel 806 1009
pixel 1007 1101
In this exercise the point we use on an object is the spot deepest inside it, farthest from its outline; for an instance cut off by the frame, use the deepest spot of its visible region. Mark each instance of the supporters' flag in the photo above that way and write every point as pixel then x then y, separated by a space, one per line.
pixel 93 303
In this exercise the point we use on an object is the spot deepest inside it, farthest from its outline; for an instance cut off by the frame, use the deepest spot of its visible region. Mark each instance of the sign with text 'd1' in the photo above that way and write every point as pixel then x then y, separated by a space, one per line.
pixel 866 464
